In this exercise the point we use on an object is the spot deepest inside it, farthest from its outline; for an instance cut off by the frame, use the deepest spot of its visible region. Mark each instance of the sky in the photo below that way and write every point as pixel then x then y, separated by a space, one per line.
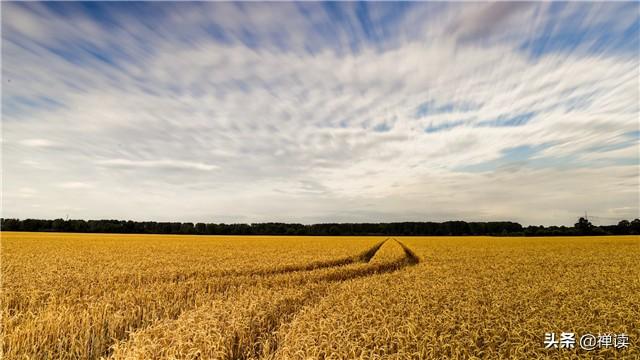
pixel 321 112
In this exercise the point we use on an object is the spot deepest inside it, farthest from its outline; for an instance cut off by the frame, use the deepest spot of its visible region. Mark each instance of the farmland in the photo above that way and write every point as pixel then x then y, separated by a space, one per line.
pixel 70 296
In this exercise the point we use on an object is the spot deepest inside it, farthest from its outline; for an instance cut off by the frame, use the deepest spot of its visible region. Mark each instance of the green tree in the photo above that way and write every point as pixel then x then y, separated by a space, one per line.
pixel 583 226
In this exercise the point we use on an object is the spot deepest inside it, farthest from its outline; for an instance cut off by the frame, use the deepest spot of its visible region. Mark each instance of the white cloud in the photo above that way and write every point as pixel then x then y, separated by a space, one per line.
pixel 27 192
pixel 160 164
pixel 43 143
pixel 73 185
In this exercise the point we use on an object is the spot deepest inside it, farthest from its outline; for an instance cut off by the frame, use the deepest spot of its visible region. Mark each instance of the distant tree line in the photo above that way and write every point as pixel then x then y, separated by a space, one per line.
pixel 447 228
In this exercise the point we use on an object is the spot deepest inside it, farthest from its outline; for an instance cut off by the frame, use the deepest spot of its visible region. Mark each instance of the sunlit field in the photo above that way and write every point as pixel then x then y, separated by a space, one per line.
pixel 91 296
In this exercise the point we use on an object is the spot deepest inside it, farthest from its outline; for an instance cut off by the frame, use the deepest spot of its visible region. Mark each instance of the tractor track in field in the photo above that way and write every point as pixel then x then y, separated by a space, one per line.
pixel 347 268
pixel 281 319
pixel 346 273
pixel 363 257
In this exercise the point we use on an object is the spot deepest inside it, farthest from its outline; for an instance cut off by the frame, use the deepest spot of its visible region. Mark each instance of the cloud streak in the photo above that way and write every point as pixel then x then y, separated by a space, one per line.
pixel 157 164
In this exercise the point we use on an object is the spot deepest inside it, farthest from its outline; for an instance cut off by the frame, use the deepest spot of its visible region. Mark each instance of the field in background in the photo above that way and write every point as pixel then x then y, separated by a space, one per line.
pixel 71 296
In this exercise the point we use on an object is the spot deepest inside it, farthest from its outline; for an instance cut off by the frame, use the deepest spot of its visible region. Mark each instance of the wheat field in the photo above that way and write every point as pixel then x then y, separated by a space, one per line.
pixel 94 296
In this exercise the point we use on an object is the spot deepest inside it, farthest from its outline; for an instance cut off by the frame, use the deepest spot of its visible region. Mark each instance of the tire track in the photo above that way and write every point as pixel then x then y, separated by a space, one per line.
pixel 411 256
pixel 258 339
pixel 363 257
pixel 410 259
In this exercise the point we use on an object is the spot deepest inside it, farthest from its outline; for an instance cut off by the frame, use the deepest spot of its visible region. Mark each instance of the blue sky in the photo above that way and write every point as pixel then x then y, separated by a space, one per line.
pixel 314 112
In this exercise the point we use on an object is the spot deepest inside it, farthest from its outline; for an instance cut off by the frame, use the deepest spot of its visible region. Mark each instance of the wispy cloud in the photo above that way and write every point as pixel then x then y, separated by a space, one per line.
pixel 159 164
pixel 42 143
pixel 75 185
pixel 367 111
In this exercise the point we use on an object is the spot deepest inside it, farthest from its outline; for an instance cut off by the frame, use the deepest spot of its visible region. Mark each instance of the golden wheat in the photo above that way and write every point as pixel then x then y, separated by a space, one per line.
pixel 479 297
pixel 71 296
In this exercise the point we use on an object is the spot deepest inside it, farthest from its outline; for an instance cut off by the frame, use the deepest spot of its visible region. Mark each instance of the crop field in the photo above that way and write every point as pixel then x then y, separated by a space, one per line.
pixel 92 296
